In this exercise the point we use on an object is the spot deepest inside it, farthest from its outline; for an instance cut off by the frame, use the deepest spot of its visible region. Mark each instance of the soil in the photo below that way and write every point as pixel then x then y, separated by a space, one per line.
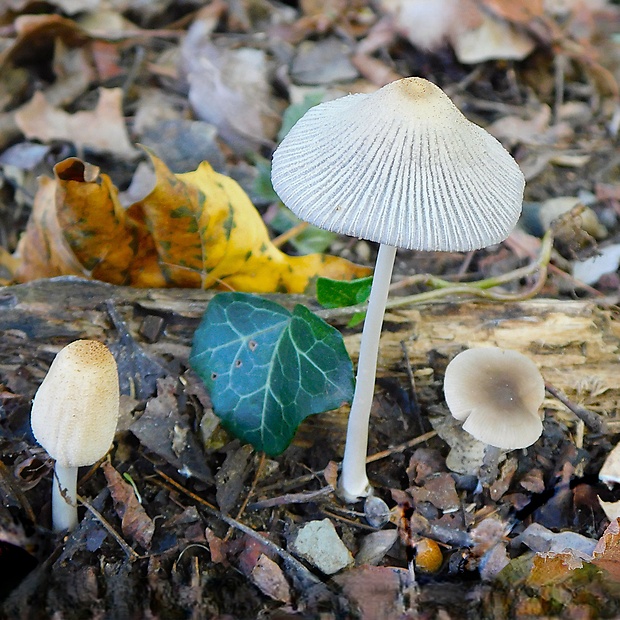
pixel 181 520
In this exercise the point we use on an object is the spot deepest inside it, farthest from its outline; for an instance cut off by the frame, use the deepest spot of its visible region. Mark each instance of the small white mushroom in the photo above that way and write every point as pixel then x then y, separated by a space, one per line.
pixel 498 394
pixel 74 416
pixel 402 167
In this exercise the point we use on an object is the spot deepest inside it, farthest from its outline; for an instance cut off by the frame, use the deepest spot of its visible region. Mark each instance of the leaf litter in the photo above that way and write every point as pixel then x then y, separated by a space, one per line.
pixel 518 534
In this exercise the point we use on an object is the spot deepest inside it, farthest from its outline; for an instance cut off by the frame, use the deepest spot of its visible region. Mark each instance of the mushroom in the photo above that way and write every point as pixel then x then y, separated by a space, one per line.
pixel 74 416
pixel 498 392
pixel 402 167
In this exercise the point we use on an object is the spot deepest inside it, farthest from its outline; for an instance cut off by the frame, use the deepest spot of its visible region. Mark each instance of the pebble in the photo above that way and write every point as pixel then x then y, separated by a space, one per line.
pixel 318 543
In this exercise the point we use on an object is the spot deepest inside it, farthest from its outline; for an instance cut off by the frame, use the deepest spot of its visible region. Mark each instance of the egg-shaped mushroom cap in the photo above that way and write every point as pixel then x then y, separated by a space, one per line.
pixel 401 166
pixel 498 392
pixel 75 409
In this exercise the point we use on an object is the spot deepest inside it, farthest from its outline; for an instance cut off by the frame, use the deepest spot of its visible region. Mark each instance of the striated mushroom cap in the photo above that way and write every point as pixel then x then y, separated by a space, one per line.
pixel 498 392
pixel 75 409
pixel 401 166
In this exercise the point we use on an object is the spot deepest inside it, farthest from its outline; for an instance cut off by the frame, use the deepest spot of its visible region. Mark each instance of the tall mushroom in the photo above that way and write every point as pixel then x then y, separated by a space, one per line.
pixel 402 167
pixel 74 416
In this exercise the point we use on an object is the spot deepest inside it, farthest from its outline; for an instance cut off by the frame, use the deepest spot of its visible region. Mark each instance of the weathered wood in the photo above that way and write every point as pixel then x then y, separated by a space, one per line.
pixel 576 344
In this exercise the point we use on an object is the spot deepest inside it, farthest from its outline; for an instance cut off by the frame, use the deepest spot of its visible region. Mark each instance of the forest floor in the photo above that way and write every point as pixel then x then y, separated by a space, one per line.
pixel 181 520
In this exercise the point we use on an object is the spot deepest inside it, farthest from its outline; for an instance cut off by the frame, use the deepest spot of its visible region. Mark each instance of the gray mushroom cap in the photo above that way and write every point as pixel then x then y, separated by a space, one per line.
pixel 401 166
pixel 498 392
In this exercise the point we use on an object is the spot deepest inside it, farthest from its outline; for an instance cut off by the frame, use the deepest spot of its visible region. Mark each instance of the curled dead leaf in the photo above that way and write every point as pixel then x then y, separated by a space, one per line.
pixel 135 523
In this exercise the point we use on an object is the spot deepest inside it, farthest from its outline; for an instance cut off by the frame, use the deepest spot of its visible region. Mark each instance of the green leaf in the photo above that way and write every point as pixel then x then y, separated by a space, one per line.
pixel 311 240
pixel 262 187
pixel 340 294
pixel 296 110
pixel 267 369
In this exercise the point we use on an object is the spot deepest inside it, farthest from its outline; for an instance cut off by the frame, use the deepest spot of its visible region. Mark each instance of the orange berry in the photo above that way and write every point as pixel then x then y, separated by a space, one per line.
pixel 428 556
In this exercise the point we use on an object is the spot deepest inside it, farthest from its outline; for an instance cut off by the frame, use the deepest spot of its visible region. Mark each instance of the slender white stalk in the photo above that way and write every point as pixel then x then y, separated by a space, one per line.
pixel 64 511
pixel 354 481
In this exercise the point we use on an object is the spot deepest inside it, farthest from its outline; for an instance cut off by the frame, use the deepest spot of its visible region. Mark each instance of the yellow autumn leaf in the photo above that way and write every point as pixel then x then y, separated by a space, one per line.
pixel 208 233
pixel 197 229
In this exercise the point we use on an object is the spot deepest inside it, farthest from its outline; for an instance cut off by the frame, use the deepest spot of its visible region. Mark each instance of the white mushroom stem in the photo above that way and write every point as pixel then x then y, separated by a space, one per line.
pixel 354 481
pixel 64 509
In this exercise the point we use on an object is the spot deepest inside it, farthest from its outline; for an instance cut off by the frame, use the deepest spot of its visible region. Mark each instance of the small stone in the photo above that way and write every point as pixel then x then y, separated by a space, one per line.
pixel 375 545
pixel 318 543
pixel 376 511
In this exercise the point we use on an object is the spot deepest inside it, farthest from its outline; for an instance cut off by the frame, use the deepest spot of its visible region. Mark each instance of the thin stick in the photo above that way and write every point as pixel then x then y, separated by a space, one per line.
pixel 289 234
pixel 414 405
pixel 131 554
pixel 401 447
pixel 291 560
pixel 292 498
pixel 591 419
pixel 445 288
pixel 249 493
pixel 350 522
pixel 370 459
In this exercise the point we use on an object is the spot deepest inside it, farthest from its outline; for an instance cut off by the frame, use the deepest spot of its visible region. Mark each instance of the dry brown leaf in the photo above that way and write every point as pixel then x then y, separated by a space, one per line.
pixel 492 39
pixel 513 130
pixel 37 32
pixel 230 89
pixel 552 568
pixel 439 490
pixel 439 19
pixel 135 523
pixel 607 551
pixel 269 578
pixel 378 591
pixel 101 130
pixel 375 70
pixel 43 249
pixel 516 11
pixel 167 432
pixel 197 229
pixel 107 246
pixel 217 547
pixel 533 481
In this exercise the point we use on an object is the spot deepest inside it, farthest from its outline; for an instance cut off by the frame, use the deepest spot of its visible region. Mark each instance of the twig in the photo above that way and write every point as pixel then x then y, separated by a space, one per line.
pixel 292 498
pixel 350 522
pixel 444 288
pixel 401 447
pixel 371 459
pixel 414 406
pixel 249 493
pixel 131 554
pixel 289 234
pixel 575 281
pixel 302 572
pixel 591 419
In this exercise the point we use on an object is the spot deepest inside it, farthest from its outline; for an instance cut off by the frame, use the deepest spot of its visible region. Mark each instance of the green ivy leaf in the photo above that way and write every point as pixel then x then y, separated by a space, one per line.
pixel 262 187
pixel 267 369
pixel 296 110
pixel 340 294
